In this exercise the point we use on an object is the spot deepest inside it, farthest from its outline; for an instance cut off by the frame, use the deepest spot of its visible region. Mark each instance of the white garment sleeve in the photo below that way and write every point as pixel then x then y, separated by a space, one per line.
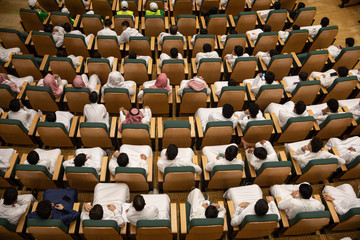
pixel 147 116
pixel 238 216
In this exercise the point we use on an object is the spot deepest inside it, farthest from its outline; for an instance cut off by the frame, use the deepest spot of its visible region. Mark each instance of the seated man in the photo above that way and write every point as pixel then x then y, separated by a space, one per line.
pixel 266 56
pixel 223 37
pixel 349 149
pixel 116 80
pixel 207 53
pixel 87 157
pixel 353 105
pixel 108 203
pixel 203 31
pixel 154 10
pixel 124 10
pixel 260 152
pixel 285 34
pixel 237 53
pixel 96 112
pixel 173 32
pixel 255 33
pixel 265 13
pixel 19 112
pixel 258 82
pixel 57 204
pixel 5 158
pixel 107 30
pixel 14 82
pixel 177 157
pixel 67 28
pixel 174 54
pixel 131 156
pixel 313 151
pixel 82 81
pixel 320 114
pixel 313 30
pixel 12 206
pixel 253 113
pixel 287 110
pixel 292 81
pixel 197 84
pixel 63 117
pixel 335 50
pixel 135 116
pixel 133 55
pixel 96 54
pixel 46 158
pixel 343 197
pixel 220 114
pixel 128 32
pixel 221 155
pixel 201 207
pixel 248 200
pixel 57 33
pixel 140 211
pixel 161 82
pixel 327 78
pixel 220 84
pixel 296 198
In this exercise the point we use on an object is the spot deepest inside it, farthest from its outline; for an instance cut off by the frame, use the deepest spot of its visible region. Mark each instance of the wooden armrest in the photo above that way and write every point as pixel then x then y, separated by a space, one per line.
pixel 158 69
pixel 296 59
pixel 139 5
pixel 186 68
pixel 96 44
pixel 21 222
pixel 160 127
pixel 43 62
pixel 232 21
pixel 197 22
pixel 252 96
pixel 22 91
pixel 115 64
pixel 310 39
pixel 202 20
pixel 316 125
pixel 231 208
pixel 225 227
pixel 295 164
pixel 260 18
pixel 331 59
pixel 190 44
pixel 173 216
pixel 122 69
pixel 251 169
pixel 149 70
pixel 289 18
pixel 281 42
pixel 346 109
pixel 73 224
pixel 104 167
pixel 142 24
pixel 213 89
pixel 183 224
pixel 159 45
pixel 177 97
pixel 113 8
pixel 204 163
pixel 276 123
pixel 282 156
pixel 239 130
pixel 73 126
pixel 284 219
pixel 221 46
pixel 248 4
pixel 170 97
pixel 152 128
pixel 288 95
pixel 91 43
pixel 251 43
pixel 133 97
pixel 167 22
pixel 228 66
pixel 150 166
pixel 28 39
pixel 263 65
pixel 113 127
pixel 77 20
pixel 78 69
pixel 194 67
pixel 82 119
pixel 33 125
pixel 192 127
pixel 152 45
pixel 199 127
pixel 12 165
pixel 58 165
pixel 332 211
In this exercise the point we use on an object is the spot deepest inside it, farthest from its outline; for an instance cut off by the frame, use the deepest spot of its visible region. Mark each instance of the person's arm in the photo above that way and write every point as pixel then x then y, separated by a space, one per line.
pixel 122 38
pixel 209 167
pixel 286 203
pixel 68 215
pixel 161 164
pixel 197 168
pixel 198 57
pixel 269 148
pixel 256 85
pixel 340 160
pixel 274 210
pixel 239 214
pixel 147 115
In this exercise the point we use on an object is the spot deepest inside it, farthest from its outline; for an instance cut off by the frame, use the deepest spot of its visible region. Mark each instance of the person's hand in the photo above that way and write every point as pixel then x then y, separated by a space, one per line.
pixel 111 207
pixel 6 76
pixel 116 154
pixel 269 199
pixel 352 149
pixel 127 210
pixel 306 148
pixel 143 157
pixel 226 57
pixel 146 107
pixel 244 204
pixel 205 205
pixel 295 194
pixel 142 87
pixel 218 157
pixel 87 207
pixel 323 75
pixel 56 75
pixel 59 206
pixel 263 142
pixel 250 150
pixel 259 75
pixel 325 110
pixel 216 205
pixel 247 112
pixel 121 109
pixel 327 197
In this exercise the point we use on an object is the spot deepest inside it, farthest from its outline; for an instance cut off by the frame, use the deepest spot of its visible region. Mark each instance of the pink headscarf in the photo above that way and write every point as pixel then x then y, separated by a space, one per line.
pixel 79 83
pixel 49 81
pixel 12 85
pixel 197 85
pixel 133 116
pixel 161 82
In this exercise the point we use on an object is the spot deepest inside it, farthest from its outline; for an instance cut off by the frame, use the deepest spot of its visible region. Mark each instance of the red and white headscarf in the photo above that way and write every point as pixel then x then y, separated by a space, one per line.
pixel 79 83
pixel 12 85
pixel 49 81
pixel 197 84
pixel 133 116
pixel 161 82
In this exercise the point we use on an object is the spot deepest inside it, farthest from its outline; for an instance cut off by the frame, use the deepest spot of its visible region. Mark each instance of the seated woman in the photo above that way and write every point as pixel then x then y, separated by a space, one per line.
pixel 220 114
pixel 116 80
pixel 349 148
pixel 107 203
pixel 135 116
pixel 5 157
pixel 292 81
pixel 221 155
pixel 87 157
pixel 47 158
pixel 15 83
pixel 248 200
pixel 131 156
pixel 260 152
pixel 54 82
pixel 220 84
pixel 327 78
pixel 343 197
pixel 161 82
pixel 84 82
pixel 197 84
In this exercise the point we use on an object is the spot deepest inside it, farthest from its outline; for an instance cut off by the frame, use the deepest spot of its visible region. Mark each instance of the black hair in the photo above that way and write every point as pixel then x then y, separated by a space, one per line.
pixel 33 158
pixel 227 110
pixel 14 105
pixel 49 28
pixel 93 97
pixel 239 50
pixel 343 71
pixel 203 31
pixel 123 160
pixel 300 107
pixel 10 196
pixel 324 22
pixel 139 202
pixel 96 54
pixel 300 5
pixel 43 209
pixel 107 22
pixel 266 28
pixel 213 10
pixel 80 160
pixel 261 207
pixel 174 52
pixel 51 117
pixel 61 53
pixel 305 190
pixel 333 105
pixel 296 27
pixel 303 76
pixel 211 212
pixel 231 152
pixel 232 82
pixel 173 29
pixel 254 109
pixel 269 77
pixel 316 144
pixel 67 27
pixel 125 24
pixel 277 5
pixel 274 52
pixel 260 153
pixel 172 151
pixel 350 42
pixel 207 47
pixel 97 212
pixel 233 32
pixel 132 55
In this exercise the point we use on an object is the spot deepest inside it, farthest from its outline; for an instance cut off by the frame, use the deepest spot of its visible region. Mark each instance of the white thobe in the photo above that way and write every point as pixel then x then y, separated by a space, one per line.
pixel 334 51
pixel 75 60
pixel 95 112
pixel 58 36
pixel 201 55
pixel 283 35
pixel 120 84
pixel 5 53
pixel 106 32
pixel 91 82
pixel 313 30
pixel 135 161
pixel 257 163
pixel 254 34
pixel 291 83
pixel 244 119
pixel 64 117
pixel 87 38
pixel 265 56
pixel 24 115
pixel 284 111
pixel 264 13
pixel 47 158
pixel 184 158
pixel 356 73
pixel 5 157
pixel 258 83
pixel 19 81
pixel 184 84
pixel 211 152
pixel 355 110
pixel 232 58
pixel 343 147
pixel 213 115
pixel 163 34
pixel 94 155
pixel 219 85
pixel 304 157
pixel 146 113
pixel 14 212
pixel 148 84
pixel 127 33
pixel 345 198
pixel 148 213
pixel 164 56
pixel 326 81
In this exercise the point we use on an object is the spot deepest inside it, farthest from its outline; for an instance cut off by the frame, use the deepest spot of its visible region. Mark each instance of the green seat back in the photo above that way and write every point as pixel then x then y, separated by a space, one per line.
pixel 99 60
pixel 340 80
pixel 173 61
pixel 303 57
pixel 230 167
pixel 26 57
pixel 153 223
pixel 269 87
pixel 101 224
pixel 349 214
pixel 218 124
pixel 49 35
pixel 68 35
pixel 131 170
pixel 8 88
pixel 278 164
pixel 236 18
pixel 82 170
pixel 297 119
pixel 303 10
pixel 184 16
pixel 140 61
pixel 190 90
pixel 154 16
pixel 306 83
pixel 205 60
pixel 53 124
pixel 231 88
pixel 200 221
pixel 234 36
pixel 263 34
pixel 116 90
pixel 354 163
pixel 30 11
pixel 257 123
pixel 13 122
pixel 324 29
pixel 276 11
pixel 156 90
pixel 135 126
pixel 316 162
pixel 47 223
pixel 294 32
pixel 33 168
pixel 133 38
pixel 8 30
pixel 176 124
pixel 244 59
pixel 62 59
pixel 179 169
pixel 40 89
pixel 335 116
pixel 255 218
pixel 94 125
pixel 74 89
pixel 204 36
pixel 108 37
pixel 342 52
pixel 309 215
pixel 5 223
pixel 280 56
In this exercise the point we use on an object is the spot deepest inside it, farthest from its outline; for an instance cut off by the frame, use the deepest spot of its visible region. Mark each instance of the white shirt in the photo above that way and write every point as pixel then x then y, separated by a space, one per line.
pixel 344 198
pixel 264 13
pixel 257 163
pixel 284 111
pixel 283 35
pixel 25 115
pixel 213 115
pixel 343 147
pixel 201 55
pixel 58 36
pixel 293 206
pixel 303 157
pixel 244 119
pixel 94 155
pixel 106 32
pixel 127 33
pixel 291 83
pixel 254 34
pixel 163 34
pixel 5 157
pixel 47 158
pixel 184 158
pixel 232 58
pixel 313 30
pixel 265 56
pixel 211 152
pixel 148 84
pixel 14 213
pixel 64 117
pixel 146 113
pixel 219 85
pixel 327 80
pixel 164 56
pixel 95 112
pixel 258 83
pixel 5 53
pixel 148 213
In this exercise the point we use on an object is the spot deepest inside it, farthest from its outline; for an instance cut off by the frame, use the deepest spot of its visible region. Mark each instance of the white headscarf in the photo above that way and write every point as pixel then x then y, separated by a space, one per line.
pixel 31 3
pixel 115 80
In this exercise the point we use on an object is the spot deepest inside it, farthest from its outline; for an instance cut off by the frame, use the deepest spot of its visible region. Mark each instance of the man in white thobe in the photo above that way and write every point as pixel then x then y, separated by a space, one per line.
pixel 348 149
pixel 259 82
pixel 220 84
pixel 220 114
pixel 292 81
pixel 146 112
pixel 287 110
pixel 221 155
pixel 343 197
pixel 19 112
pixel 238 52
pixel 63 117
pixel 174 54
pixel 128 32
pixel 95 112
pixel 173 32
pixel 140 211
pixel 321 114
pixel 327 78
pixel 262 152
pixel 313 30
pixel 46 158
pixel 207 53
pixel 107 31
pixel 253 113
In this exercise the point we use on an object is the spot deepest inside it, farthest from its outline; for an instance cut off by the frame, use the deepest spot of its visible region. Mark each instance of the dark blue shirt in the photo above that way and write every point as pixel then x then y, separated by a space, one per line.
pixel 66 215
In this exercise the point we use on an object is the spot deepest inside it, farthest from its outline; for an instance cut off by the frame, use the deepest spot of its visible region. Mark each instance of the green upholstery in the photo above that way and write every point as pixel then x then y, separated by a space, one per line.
pixel 269 87
pixel 34 33
pixel 230 167
pixel 293 32
pixel 142 61
pixel 276 11
pixel 33 168
pixel 216 16
pixel 61 14
pixel 258 123
pixel 108 37
pixel 21 35
pixel 30 11
pixel 324 29
pixel 135 126
pixel 255 218
pixel 316 162
pixel 173 38
pixel 244 59
pixel 82 170
pixel 218 124
pixel 53 124
pixel 303 10
pixel 340 80
pixel 179 169
pixel 280 56
pixel 231 88
pixel 279 164
pixel 306 83
pixel 297 119
pixel 204 36
pixel 95 125
pixel 2 173
pixel 5 223
pixel 190 90
pixel 116 90
pixel 47 223
pixel 40 89
pixel 101 223
pixel 130 170
pixel 92 16
pixel 154 16
pixel 234 36
pixel 309 215
pixel 8 88
pixel 335 116
pixel 74 89
pixel 27 57
pixel 14 122
pixel 62 59
pixel 303 57
pixel 354 163
pixel 155 90
pixel 200 221
pixel 172 61
pixel 236 18
pixel 266 34
pixel 68 35
pixel 153 223
pixel 99 60
pixel 176 124
pixel 349 214
pixel 205 60
pixel 343 51
pixel 139 38
pixel 184 16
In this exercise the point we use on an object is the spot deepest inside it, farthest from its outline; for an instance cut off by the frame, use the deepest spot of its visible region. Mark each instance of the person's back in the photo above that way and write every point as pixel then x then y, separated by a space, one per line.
pixel 154 10
pixel 139 211
pixel 226 114
pixel 253 113
pixel 262 152
pixel 173 32
pixel 107 31
pixel 298 110
pixel 21 113
pixel 259 82
pixel 95 112
pixel 127 33
pixel 227 157
pixel 124 10
pixel 303 76
pixel 207 53
pixel 63 117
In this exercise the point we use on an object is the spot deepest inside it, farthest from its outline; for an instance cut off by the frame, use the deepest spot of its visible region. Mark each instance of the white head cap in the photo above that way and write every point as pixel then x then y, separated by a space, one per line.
pixel 124 5
pixel 31 3
pixel 153 6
